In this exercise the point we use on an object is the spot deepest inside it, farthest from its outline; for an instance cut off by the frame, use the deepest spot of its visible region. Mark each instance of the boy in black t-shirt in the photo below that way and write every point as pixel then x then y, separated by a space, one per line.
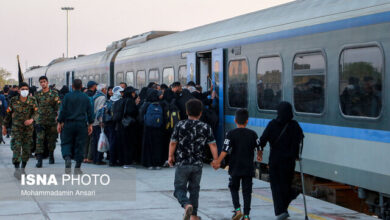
pixel 241 144
pixel 188 141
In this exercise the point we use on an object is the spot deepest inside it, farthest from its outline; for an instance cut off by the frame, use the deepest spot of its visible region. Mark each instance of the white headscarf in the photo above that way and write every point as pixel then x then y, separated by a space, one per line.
pixel 117 93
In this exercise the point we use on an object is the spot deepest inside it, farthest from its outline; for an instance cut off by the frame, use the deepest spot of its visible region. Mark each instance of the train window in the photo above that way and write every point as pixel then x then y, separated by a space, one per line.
pixel 183 75
pixel 97 78
pixel 309 83
pixel 361 77
pixel 119 78
pixel 168 76
pixel 130 78
pixel 104 78
pixel 91 78
pixel 269 82
pixel 154 76
pixel 238 83
pixel 84 80
pixel 141 79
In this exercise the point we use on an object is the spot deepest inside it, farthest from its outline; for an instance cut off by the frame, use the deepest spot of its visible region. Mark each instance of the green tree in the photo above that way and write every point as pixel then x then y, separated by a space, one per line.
pixel 4 74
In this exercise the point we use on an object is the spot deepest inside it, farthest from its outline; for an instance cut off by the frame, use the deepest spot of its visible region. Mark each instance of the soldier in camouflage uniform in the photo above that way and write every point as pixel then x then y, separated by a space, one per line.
pixel 23 111
pixel 48 105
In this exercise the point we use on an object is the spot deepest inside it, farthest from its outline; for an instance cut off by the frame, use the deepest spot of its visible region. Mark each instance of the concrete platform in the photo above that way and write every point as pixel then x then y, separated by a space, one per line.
pixel 154 199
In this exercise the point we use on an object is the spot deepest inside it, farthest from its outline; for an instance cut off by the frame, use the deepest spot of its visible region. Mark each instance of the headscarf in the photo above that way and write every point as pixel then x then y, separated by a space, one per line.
pixel 128 92
pixel 108 89
pixel 153 95
pixel 117 93
pixel 285 113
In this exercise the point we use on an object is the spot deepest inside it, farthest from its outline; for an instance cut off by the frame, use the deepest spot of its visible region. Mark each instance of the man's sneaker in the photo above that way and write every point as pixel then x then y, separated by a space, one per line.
pixel 157 168
pixel 246 218
pixel 101 163
pixel 187 212
pixel 39 161
pixel 78 171
pixel 17 173
pixel 237 214
pixel 282 216
pixel 150 168
pixel 126 166
pixel 51 158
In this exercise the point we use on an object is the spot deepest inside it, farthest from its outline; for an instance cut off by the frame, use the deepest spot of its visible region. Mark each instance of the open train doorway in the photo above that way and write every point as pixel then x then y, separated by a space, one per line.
pixel 206 68
pixel 204 73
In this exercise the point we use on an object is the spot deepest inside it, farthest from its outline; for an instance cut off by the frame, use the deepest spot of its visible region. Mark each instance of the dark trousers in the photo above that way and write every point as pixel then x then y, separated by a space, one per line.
pixel 187 179
pixel 128 147
pixel 281 176
pixel 114 139
pixel 97 156
pixel 234 186
pixel 73 139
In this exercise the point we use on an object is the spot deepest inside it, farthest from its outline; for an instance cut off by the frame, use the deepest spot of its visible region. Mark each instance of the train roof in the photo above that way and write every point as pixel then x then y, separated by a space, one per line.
pixel 292 15
pixel 36 72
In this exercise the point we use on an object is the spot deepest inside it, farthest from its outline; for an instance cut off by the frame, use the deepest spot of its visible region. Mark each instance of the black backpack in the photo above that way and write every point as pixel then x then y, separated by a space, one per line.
pixel 117 111
pixel 173 115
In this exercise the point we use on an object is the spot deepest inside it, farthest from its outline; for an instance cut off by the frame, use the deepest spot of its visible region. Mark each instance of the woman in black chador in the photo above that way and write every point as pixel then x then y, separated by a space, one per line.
pixel 153 112
pixel 285 136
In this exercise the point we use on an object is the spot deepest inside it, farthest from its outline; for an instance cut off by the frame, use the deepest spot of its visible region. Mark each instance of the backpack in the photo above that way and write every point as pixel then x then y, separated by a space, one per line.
pixel 173 116
pixel 92 101
pixel 117 110
pixel 154 115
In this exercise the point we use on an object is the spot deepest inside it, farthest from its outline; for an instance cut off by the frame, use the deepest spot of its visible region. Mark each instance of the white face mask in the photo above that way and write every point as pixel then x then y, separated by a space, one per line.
pixel 24 93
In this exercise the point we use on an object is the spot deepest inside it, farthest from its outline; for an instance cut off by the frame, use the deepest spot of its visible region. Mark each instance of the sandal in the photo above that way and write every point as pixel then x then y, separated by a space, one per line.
pixel 188 212
pixel 237 214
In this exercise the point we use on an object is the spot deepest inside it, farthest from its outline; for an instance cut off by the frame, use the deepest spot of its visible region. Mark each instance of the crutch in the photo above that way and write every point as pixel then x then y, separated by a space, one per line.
pixel 302 179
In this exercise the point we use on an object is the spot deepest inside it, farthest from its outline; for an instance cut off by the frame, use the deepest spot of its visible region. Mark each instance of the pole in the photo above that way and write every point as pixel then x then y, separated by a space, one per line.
pixel 303 180
pixel 67 9
pixel 67 33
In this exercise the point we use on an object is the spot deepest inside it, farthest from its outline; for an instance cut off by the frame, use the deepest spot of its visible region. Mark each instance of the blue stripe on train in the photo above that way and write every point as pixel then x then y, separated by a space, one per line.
pixel 344 132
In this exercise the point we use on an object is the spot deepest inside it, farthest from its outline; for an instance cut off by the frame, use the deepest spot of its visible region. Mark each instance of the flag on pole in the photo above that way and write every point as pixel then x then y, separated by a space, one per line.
pixel 20 74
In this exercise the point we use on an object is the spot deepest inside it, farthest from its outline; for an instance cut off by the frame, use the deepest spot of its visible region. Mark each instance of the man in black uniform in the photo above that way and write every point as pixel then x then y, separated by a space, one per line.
pixel 75 113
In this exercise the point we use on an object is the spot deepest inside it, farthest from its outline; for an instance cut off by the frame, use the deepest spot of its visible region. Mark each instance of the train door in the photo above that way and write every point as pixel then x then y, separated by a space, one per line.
pixel 67 79
pixel 206 68
pixel 217 60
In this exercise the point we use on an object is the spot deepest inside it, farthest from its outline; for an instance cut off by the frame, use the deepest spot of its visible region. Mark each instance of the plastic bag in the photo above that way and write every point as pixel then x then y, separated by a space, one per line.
pixel 103 144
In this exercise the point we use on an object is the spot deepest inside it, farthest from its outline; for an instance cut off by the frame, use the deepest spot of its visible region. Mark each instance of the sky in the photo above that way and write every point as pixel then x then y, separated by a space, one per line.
pixel 36 29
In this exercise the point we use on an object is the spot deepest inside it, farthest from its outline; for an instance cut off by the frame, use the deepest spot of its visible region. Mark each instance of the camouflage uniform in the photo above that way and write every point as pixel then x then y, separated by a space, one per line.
pixel 19 112
pixel 48 105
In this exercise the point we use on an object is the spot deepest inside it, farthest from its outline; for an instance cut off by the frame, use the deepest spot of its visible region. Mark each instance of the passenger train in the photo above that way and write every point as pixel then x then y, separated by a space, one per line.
pixel 326 57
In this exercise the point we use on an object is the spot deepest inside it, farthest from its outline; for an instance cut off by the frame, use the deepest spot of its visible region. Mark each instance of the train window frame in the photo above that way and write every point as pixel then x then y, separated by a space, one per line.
pixel 148 75
pixel 162 74
pixel 309 72
pixel 178 72
pixel 97 76
pixel 104 77
pixel 136 78
pixel 384 88
pixel 116 77
pixel 281 81
pixel 131 71
pixel 227 82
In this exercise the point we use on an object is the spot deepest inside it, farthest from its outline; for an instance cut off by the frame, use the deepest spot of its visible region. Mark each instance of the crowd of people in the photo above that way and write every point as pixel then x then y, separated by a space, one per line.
pixel 128 118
